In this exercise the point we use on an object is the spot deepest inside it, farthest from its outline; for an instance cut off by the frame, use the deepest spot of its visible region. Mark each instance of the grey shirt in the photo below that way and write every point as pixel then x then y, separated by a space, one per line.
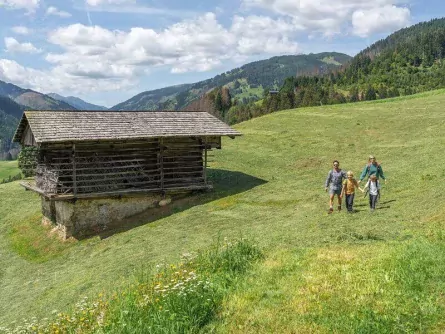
pixel 335 179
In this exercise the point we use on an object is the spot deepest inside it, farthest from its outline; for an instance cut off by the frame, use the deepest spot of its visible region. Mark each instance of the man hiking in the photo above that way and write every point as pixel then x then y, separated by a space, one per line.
pixel 334 182
pixel 372 168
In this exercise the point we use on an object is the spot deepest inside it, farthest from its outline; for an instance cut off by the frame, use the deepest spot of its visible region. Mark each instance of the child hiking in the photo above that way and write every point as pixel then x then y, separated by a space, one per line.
pixel 349 186
pixel 334 184
pixel 373 185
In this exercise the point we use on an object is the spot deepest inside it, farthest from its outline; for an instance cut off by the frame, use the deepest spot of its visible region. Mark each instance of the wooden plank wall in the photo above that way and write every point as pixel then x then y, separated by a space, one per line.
pixel 161 164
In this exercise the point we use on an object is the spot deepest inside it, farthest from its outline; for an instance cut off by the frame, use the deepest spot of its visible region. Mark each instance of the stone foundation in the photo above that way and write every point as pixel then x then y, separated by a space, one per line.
pixel 91 216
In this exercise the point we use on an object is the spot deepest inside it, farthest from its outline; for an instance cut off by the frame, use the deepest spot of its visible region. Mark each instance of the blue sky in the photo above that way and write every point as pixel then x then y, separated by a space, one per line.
pixel 106 51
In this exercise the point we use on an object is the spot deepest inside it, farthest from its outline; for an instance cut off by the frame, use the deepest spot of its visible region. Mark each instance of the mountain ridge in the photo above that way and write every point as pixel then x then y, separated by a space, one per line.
pixel 246 82
pixel 76 102
pixel 31 98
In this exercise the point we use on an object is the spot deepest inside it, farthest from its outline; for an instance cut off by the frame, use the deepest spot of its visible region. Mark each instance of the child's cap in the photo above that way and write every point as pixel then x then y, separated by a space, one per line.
pixel 373 177
pixel 350 173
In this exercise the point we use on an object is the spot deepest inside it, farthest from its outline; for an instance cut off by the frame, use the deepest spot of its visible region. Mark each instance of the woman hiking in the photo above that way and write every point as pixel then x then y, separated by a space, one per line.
pixel 372 168
pixel 334 182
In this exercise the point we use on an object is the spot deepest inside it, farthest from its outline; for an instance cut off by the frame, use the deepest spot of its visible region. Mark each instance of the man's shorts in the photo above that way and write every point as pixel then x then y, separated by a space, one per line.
pixel 334 191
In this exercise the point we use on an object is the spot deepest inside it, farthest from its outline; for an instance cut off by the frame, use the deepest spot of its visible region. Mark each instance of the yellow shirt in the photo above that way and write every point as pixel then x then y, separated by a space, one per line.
pixel 350 186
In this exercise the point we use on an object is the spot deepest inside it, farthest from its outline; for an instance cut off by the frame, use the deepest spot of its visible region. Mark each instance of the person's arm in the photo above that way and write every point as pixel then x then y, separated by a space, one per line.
pixel 357 186
pixel 380 172
pixel 363 174
pixel 343 189
pixel 328 180
pixel 366 186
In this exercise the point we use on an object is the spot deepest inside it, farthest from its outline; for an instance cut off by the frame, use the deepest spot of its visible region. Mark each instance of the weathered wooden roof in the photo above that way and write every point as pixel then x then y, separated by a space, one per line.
pixel 75 126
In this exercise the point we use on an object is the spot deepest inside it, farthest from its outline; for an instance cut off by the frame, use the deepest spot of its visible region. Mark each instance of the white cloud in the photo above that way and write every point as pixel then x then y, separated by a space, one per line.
pixel 260 34
pixel 328 17
pixel 379 20
pixel 191 45
pixel 56 80
pixel 108 2
pixel 103 59
pixel 54 11
pixel 12 45
pixel 21 30
pixel 29 5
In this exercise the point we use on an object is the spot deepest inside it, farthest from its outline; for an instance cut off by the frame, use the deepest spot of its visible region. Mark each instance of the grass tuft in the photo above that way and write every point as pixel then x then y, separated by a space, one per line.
pixel 356 289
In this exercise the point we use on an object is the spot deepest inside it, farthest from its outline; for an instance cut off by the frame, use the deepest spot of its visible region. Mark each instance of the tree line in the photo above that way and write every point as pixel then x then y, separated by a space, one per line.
pixel 407 62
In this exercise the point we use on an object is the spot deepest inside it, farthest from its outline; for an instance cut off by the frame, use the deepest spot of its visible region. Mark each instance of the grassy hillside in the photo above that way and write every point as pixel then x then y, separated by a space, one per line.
pixel 8 168
pixel 380 272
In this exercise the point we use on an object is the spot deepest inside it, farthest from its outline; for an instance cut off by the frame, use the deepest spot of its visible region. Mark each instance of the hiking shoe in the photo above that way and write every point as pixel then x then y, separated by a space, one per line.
pixel 339 208
pixel 331 210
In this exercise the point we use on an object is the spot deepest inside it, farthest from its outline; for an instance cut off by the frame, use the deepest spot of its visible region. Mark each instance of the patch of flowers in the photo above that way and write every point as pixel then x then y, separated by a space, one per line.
pixel 175 299
pixel 86 317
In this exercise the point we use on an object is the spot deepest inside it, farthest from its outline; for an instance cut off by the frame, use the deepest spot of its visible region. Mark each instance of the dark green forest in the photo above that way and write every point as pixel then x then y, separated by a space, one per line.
pixel 407 62
pixel 10 113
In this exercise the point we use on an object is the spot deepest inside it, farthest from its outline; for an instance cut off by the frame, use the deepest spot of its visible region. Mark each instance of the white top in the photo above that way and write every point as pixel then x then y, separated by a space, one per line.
pixel 373 186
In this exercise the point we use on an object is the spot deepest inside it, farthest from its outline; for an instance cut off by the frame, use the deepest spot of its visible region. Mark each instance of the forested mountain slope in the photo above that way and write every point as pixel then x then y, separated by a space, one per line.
pixel 246 83
pixel 409 61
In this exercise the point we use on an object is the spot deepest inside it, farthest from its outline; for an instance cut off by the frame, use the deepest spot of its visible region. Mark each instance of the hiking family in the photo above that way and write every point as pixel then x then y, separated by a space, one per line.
pixel 343 184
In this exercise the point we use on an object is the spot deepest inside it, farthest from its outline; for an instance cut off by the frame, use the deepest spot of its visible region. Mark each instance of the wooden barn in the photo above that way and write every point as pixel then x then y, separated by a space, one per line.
pixel 102 154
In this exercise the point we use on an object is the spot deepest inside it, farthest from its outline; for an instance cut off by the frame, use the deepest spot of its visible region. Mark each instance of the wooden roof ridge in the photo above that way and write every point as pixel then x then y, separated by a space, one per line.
pixel 87 125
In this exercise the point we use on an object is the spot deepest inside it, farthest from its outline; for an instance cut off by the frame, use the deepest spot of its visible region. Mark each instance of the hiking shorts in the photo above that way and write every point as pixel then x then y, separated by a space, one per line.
pixel 334 191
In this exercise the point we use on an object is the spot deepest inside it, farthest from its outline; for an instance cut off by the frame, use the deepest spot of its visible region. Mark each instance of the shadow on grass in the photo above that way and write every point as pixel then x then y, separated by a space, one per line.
pixel 389 201
pixel 379 203
pixel 225 183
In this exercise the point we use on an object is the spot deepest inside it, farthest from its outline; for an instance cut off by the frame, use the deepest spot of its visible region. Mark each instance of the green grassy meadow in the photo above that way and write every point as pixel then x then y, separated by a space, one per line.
pixel 8 168
pixel 375 273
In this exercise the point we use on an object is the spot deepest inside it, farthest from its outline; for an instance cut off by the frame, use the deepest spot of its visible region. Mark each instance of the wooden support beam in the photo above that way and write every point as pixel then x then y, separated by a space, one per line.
pixel 29 186
pixel 128 191
pixel 108 185
pixel 205 160
pixel 161 153
pixel 74 170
